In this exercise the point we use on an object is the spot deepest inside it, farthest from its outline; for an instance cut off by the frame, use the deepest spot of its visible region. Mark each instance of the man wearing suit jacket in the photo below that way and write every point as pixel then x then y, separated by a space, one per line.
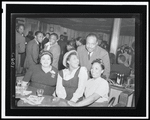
pixel 91 51
pixel 32 50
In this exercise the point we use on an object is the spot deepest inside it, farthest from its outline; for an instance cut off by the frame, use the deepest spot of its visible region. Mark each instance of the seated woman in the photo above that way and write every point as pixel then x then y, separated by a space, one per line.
pixel 71 80
pixel 43 75
pixel 97 88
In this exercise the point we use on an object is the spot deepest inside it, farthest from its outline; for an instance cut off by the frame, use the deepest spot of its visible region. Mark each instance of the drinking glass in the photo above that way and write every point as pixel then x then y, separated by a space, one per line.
pixel 40 92
pixel 19 82
pixel 18 87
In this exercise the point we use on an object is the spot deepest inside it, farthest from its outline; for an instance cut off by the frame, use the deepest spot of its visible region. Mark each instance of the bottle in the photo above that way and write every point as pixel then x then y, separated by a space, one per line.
pixel 122 81
pixel 118 78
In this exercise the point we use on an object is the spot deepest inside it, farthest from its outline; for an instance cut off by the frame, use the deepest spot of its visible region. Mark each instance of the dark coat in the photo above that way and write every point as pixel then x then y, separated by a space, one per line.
pixel 32 53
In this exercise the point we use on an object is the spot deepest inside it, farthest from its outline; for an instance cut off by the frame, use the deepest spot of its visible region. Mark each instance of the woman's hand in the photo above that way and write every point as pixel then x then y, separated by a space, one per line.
pixel 24 83
pixel 71 103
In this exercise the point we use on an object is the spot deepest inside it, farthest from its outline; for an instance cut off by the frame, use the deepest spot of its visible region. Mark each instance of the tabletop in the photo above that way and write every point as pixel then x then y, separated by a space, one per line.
pixel 47 101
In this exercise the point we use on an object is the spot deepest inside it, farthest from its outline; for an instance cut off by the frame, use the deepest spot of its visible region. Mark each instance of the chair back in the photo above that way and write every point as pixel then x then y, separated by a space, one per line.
pixel 112 100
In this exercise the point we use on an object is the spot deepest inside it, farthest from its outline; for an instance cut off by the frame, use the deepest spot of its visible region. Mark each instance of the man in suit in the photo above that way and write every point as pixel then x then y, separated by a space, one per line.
pixel 32 50
pixel 54 49
pixel 91 51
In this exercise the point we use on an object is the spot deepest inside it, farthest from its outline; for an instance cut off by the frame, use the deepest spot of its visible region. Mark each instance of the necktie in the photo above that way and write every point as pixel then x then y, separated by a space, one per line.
pixel 89 55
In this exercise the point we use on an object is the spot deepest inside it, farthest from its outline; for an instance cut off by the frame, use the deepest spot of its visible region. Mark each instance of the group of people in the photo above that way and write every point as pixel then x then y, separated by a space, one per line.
pixel 78 74
pixel 124 61
pixel 80 82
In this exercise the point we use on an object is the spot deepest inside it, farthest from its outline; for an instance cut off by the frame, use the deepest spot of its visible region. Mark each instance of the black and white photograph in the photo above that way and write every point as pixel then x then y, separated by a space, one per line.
pixel 74 60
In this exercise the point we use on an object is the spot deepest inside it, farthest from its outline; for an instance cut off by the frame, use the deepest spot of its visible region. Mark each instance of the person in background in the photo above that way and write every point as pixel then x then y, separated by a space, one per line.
pixel 29 37
pixel 20 47
pixel 80 41
pixel 91 51
pixel 112 58
pixel 54 48
pixel 104 45
pixel 71 45
pixel 71 80
pixel 127 54
pixel 32 50
pixel 120 67
pixel 43 75
pixel 65 36
pixel 45 40
pixel 96 89
pixel 119 52
pixel 63 48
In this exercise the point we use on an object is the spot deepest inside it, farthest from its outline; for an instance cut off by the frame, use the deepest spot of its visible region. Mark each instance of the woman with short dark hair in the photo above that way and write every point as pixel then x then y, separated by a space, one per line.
pixel 43 75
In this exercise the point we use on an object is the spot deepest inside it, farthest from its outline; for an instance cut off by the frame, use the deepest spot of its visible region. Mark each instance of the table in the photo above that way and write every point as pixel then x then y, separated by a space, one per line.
pixel 47 101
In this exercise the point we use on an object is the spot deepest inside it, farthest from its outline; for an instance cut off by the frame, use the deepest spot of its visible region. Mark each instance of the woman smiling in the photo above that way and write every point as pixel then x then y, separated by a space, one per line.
pixel 43 75
pixel 97 88
pixel 71 81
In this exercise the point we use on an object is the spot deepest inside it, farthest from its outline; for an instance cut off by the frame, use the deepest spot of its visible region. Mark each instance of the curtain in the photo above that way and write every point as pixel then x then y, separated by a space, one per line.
pixel 126 40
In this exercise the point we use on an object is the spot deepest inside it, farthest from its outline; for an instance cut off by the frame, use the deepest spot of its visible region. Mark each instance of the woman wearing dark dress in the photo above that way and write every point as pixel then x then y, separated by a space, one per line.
pixel 71 80
pixel 43 75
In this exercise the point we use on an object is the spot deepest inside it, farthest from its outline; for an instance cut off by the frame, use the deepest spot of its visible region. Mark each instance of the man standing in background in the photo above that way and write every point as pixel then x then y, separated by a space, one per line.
pixel 32 50
pixel 91 51
pixel 54 48
pixel 20 47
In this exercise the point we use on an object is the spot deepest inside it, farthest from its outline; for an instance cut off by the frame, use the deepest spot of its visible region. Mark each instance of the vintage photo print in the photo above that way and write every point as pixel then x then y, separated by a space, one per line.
pixel 74 60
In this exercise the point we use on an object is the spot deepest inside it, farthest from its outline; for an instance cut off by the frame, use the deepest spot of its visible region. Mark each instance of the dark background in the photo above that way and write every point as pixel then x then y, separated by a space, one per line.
pixel 138 11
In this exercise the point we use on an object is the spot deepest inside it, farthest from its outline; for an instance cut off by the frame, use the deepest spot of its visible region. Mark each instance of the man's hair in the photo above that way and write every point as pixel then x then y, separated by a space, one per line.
pixel 30 33
pixel 48 33
pixel 122 58
pixel 92 35
pixel 37 32
pixel 55 34
pixel 61 35
pixel 18 26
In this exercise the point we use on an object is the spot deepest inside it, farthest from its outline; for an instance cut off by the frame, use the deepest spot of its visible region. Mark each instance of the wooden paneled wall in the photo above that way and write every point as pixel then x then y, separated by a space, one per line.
pixel 34 25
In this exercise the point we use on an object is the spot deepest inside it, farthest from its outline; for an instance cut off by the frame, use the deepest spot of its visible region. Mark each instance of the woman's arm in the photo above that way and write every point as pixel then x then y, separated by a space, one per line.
pixel 60 90
pixel 83 77
pixel 28 75
pixel 101 90
pixel 89 100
